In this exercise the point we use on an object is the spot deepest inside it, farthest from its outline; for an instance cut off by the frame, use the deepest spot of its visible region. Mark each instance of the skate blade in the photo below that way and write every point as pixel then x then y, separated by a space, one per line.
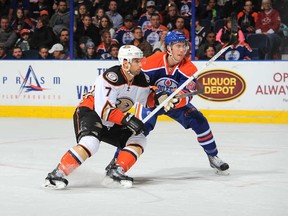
pixel 223 173
pixel 108 182
pixel 59 185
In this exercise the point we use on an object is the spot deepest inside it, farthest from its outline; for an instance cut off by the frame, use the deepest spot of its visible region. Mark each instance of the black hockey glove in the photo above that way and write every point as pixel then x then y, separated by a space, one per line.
pixel 160 96
pixel 133 123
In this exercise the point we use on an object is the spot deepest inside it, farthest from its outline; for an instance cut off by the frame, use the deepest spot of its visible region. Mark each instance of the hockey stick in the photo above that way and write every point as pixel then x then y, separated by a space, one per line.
pixel 195 75
pixel 192 93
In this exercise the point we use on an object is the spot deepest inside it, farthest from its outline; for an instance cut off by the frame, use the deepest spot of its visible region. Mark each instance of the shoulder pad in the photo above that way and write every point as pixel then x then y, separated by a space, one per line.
pixel 113 76
pixel 141 80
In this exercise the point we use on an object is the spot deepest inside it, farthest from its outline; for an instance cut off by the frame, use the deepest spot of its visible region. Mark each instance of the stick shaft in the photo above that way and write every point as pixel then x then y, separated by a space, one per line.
pixel 195 75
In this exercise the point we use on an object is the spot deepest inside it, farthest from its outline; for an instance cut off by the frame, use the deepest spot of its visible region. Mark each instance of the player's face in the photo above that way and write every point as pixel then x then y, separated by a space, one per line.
pixel 135 66
pixel 179 50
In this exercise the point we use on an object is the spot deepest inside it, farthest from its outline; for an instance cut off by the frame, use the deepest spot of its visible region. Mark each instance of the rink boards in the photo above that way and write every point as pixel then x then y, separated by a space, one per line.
pixel 233 91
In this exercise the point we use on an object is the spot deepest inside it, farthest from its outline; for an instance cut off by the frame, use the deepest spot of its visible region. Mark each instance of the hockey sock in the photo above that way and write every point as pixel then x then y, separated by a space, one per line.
pixel 117 152
pixel 206 140
pixel 126 158
pixel 70 161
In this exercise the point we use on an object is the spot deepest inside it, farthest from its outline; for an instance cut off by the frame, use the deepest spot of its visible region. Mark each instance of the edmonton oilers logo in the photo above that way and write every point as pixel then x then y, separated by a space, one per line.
pixel 166 84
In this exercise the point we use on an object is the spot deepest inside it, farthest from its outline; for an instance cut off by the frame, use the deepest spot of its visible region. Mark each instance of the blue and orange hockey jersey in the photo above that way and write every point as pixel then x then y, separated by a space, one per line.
pixel 167 78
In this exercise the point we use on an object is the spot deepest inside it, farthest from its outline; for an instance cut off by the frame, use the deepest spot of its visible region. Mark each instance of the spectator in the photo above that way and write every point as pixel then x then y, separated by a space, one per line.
pixel 151 32
pixel 247 18
pixel 7 35
pixel 88 30
pixel 17 53
pixel 113 51
pixel 106 24
pixel 15 4
pixel 90 51
pixel 161 43
pixel 114 16
pixel 170 18
pixel 99 4
pixel 103 48
pixel 64 40
pixel 44 13
pixel 3 54
pixel 43 34
pixel 268 23
pixel 185 7
pixel 61 19
pixel 200 34
pixel 24 41
pixel 20 22
pixel 209 40
pixel 210 12
pixel 124 34
pixel 82 10
pixel 140 42
pixel 36 7
pixel 98 15
pixel 240 51
pixel 223 35
pixel 209 52
pixel 145 18
pixel 87 4
pixel 57 51
pixel 180 27
pixel 43 53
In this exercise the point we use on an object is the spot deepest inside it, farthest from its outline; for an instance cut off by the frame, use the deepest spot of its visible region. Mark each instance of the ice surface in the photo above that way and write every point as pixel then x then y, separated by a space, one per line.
pixel 172 177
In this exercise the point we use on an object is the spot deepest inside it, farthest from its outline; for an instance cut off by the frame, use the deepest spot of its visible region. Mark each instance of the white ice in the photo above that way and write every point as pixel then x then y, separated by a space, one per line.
pixel 172 177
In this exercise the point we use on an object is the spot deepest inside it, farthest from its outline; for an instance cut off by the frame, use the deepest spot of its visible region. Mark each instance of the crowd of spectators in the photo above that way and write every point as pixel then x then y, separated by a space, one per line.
pixel 34 29
pixel 40 29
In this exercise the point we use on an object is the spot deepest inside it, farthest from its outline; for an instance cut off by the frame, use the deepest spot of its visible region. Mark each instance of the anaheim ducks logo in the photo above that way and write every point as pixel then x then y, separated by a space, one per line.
pixel 124 104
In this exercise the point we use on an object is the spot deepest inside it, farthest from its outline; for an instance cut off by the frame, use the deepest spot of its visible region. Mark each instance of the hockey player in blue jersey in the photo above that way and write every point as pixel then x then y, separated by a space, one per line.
pixel 167 71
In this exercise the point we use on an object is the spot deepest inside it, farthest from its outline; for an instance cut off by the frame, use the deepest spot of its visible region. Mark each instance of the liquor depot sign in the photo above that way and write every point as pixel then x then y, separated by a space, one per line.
pixel 221 85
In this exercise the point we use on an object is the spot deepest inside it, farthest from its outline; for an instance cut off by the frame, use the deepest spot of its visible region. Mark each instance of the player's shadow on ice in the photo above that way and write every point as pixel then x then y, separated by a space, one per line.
pixel 173 175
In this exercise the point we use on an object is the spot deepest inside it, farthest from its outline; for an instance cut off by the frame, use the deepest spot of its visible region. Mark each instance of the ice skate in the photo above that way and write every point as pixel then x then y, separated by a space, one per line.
pixel 55 180
pixel 218 165
pixel 115 174
pixel 112 163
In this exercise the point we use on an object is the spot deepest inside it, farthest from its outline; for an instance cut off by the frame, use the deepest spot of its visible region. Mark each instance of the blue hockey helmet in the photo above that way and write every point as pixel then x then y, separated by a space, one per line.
pixel 173 37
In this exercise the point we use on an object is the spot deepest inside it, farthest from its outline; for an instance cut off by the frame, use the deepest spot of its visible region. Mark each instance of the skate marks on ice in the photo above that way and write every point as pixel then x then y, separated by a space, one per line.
pixel 173 177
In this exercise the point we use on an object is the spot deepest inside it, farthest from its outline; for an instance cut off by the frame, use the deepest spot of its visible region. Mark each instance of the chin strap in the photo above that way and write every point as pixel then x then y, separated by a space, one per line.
pixel 128 70
pixel 130 73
